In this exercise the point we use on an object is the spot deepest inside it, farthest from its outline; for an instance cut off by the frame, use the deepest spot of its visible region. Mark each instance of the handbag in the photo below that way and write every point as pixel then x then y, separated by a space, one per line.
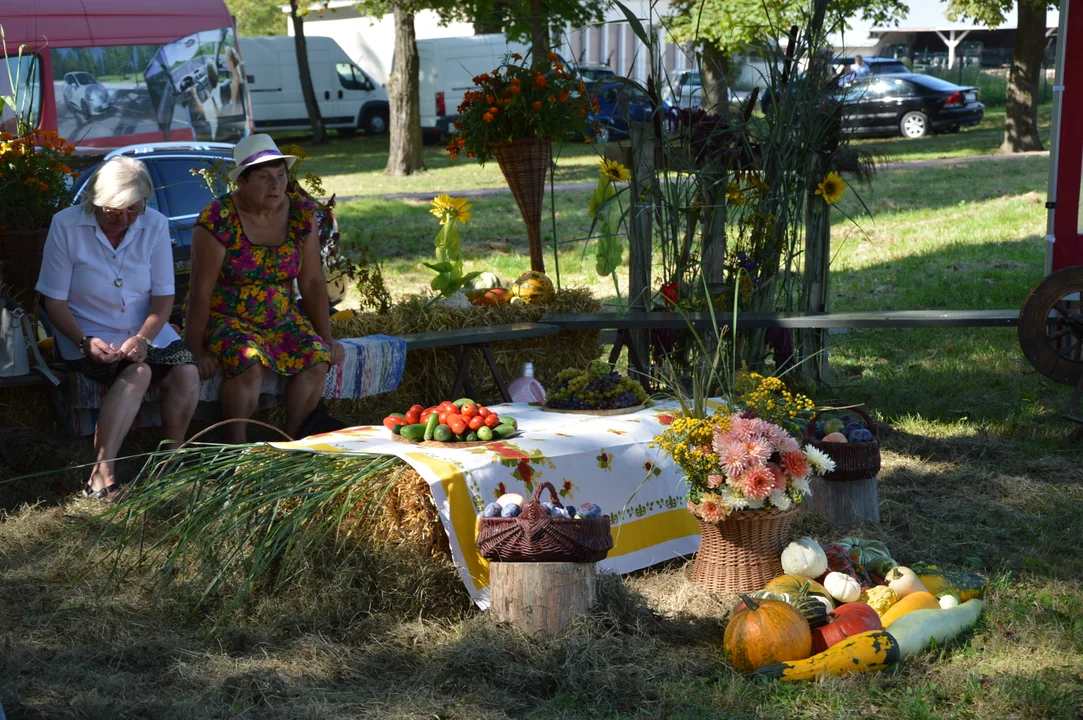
pixel 17 343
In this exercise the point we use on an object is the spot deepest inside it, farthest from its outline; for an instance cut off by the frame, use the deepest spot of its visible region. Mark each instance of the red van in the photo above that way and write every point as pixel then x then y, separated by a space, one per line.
pixel 110 73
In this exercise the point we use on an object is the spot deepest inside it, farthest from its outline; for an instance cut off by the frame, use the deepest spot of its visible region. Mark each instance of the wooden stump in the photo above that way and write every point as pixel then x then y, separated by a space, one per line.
pixel 844 502
pixel 541 597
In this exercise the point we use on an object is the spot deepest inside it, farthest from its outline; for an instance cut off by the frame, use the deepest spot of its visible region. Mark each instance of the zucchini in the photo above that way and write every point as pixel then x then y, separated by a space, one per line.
pixel 915 631
pixel 964 584
pixel 864 652
pixel 443 433
pixel 431 425
pixel 413 432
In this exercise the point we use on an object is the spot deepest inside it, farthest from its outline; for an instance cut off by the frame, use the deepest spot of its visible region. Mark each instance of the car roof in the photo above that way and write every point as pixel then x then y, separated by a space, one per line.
pixel 214 149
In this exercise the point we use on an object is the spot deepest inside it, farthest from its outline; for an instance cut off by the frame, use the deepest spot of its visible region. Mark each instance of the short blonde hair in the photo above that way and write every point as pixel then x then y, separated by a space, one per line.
pixel 119 183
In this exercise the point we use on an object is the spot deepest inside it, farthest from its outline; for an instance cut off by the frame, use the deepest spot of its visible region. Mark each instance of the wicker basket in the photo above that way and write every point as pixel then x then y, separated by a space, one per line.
pixel 525 164
pixel 853 461
pixel 534 536
pixel 20 264
pixel 741 553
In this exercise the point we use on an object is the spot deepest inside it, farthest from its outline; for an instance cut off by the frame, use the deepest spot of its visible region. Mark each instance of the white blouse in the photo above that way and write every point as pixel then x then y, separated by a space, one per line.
pixel 107 289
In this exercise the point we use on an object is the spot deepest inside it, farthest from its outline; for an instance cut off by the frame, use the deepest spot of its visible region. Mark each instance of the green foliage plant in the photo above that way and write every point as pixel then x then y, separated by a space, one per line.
pixel 606 219
pixel 449 259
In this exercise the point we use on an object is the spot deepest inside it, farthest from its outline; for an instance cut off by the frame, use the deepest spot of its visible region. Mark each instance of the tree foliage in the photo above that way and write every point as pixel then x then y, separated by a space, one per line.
pixel 258 17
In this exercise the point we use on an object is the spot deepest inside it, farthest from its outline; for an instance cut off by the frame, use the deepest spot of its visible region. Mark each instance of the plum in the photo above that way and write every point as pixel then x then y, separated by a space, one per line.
pixel 589 510
pixel 492 510
pixel 511 510
pixel 861 435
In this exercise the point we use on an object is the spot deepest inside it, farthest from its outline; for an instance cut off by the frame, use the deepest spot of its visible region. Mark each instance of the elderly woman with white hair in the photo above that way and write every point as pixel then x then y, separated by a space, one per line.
pixel 107 282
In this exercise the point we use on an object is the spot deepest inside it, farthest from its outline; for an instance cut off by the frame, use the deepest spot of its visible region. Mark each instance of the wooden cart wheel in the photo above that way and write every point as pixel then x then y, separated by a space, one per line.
pixel 1051 326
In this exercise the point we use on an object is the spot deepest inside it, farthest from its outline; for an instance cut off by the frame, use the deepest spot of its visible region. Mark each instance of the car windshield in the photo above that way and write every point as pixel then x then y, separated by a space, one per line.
pixel 84 78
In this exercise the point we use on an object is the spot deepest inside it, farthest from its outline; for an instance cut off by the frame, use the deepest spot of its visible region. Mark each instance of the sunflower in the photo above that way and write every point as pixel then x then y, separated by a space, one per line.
pixel 734 194
pixel 614 171
pixel 832 188
pixel 447 208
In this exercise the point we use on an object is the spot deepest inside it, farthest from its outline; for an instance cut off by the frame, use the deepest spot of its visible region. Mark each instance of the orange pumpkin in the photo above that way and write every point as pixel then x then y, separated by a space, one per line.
pixel 763 632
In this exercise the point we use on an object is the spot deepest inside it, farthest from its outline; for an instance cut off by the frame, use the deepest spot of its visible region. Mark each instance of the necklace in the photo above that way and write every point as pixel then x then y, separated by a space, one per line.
pixel 118 272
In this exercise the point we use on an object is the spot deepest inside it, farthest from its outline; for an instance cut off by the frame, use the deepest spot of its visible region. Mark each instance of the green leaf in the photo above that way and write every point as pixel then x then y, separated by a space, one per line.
pixel 634 23
pixel 440 267
pixel 608 251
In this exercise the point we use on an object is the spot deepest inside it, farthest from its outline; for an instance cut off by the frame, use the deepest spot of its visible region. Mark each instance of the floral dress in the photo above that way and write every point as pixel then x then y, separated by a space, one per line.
pixel 253 316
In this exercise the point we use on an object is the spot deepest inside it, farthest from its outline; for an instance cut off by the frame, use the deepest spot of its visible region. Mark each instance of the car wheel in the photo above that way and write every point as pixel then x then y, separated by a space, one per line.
pixel 375 123
pixel 914 125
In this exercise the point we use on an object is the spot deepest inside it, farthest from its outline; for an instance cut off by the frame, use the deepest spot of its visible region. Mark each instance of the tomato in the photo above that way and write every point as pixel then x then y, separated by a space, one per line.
pixel 390 422
pixel 456 423
pixel 447 407
pixel 413 417
pixel 483 411
pixel 476 422
pixel 425 414
pixel 492 420
pixel 468 410
pixel 416 408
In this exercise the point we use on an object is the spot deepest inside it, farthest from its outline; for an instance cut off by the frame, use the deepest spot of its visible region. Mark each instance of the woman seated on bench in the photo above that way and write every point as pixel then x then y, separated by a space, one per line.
pixel 247 249
pixel 107 281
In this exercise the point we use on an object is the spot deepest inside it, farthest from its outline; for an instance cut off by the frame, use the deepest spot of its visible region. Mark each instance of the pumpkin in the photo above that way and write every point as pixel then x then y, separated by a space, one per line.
pixel 947 599
pixel 862 551
pixel 814 611
pixel 916 631
pixel 799 587
pixel 485 281
pixel 873 650
pixel 880 598
pixel 770 595
pixel 908 604
pixel 966 585
pixel 533 287
pixel 881 565
pixel 804 557
pixel 843 622
pixel 764 632
pixel 842 587
pixel 904 581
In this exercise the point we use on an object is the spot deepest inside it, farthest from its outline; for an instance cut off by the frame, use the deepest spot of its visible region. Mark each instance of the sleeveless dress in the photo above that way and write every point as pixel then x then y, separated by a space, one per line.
pixel 253 316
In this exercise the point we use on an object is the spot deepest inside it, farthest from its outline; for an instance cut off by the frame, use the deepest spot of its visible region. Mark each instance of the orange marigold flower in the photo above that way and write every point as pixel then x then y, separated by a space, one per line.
pixel 552 57
pixel 517 56
pixel 490 99
pixel 564 96
pixel 552 99
pixel 537 104
pixel 540 80
pixel 493 110
pixel 487 117
pixel 582 88
pixel 515 89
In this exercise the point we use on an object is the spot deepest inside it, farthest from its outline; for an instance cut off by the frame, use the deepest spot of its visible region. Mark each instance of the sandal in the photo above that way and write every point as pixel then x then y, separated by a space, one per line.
pixel 109 493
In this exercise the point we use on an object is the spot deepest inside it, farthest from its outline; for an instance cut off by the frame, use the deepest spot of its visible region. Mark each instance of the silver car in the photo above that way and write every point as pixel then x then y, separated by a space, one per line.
pixel 83 93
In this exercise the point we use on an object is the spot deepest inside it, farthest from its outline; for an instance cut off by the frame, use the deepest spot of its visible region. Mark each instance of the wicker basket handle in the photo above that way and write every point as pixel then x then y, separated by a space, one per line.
pixel 553 498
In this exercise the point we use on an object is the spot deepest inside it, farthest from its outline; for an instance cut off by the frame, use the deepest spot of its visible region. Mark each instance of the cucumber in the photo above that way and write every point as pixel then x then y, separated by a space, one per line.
pixel 397 429
pixel 485 433
pixel 443 434
pixel 431 425
pixel 503 430
pixel 398 415
pixel 510 421
pixel 462 401
pixel 461 437
pixel 413 432
pixel 471 436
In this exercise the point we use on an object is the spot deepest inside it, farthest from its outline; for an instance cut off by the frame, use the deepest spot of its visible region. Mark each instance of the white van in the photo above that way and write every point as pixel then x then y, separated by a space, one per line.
pixel 448 67
pixel 349 99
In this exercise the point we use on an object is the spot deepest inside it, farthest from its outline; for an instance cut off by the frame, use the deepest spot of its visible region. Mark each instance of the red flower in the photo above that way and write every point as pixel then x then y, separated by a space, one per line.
pixel 536 105
pixel 540 80
pixel 669 293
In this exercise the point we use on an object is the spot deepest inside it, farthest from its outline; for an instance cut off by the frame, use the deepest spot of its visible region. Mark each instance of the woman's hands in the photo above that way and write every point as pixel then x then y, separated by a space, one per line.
pixel 102 352
pixel 338 352
pixel 207 363
pixel 134 349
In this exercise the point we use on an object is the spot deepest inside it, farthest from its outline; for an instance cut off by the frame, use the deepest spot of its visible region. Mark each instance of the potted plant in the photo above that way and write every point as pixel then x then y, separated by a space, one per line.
pixel 514 116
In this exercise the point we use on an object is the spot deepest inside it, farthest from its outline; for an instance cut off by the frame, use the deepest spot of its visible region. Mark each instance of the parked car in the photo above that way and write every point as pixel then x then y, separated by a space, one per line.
pixel 618 104
pixel 912 105
pixel 684 92
pixel 594 73
pixel 181 197
pixel 83 93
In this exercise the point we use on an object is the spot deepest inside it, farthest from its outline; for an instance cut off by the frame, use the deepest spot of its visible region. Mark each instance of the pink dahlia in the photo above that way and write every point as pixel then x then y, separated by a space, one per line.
pixel 795 463
pixel 714 481
pixel 733 458
pixel 711 508
pixel 778 475
pixel 741 429
pixel 757 483
pixel 758 451
pixel 787 444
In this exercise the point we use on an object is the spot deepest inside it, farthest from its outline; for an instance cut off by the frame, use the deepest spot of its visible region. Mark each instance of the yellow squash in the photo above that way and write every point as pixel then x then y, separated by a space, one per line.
pixel 966 585
pixel 865 652
pixel 908 604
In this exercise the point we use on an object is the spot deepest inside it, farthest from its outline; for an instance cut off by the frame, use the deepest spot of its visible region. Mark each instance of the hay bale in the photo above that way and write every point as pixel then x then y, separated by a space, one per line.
pixel 430 374
pixel 409 516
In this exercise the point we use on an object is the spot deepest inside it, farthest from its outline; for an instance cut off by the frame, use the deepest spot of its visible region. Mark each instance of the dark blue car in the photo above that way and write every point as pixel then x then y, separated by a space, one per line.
pixel 618 104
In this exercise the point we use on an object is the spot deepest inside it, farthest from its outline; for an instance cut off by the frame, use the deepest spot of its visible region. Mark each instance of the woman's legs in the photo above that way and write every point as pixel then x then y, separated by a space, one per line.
pixel 180 394
pixel 115 418
pixel 240 398
pixel 303 393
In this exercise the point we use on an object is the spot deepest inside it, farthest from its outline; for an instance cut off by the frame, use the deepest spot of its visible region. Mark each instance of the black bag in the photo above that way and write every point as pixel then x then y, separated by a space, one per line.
pixel 319 421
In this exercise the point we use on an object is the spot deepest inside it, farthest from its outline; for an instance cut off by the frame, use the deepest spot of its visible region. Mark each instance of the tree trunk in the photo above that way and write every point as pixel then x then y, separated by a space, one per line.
pixel 714 94
pixel 539 32
pixel 403 94
pixel 1021 109
pixel 319 132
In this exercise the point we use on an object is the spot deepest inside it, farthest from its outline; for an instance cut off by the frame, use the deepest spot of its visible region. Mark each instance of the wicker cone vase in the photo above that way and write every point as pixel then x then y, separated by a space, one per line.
pixel 525 164
pixel 741 553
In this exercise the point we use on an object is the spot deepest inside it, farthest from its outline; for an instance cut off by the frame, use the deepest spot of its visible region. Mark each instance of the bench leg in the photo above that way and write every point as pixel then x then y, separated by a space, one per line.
pixel 495 370
pixel 634 362
pixel 618 344
pixel 462 377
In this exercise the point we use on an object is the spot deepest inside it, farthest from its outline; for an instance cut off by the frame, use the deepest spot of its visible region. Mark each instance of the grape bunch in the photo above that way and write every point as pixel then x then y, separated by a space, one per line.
pixel 596 388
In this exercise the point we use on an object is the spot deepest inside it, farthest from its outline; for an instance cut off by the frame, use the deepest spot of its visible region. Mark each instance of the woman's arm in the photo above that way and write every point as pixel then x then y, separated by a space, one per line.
pixel 313 285
pixel 207 257
pixel 162 284
pixel 66 324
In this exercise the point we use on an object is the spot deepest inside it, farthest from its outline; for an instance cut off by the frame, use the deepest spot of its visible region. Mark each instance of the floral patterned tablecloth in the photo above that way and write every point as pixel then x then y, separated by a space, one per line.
pixel 605 460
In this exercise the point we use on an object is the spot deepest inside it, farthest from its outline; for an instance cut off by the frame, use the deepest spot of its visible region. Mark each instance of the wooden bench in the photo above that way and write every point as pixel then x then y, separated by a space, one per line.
pixel 625 323
pixel 53 393
pixel 464 341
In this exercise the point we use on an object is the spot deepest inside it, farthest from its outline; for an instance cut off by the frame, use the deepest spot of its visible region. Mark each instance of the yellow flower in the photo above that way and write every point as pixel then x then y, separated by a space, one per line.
pixel 614 171
pixel 832 188
pixel 734 194
pixel 447 208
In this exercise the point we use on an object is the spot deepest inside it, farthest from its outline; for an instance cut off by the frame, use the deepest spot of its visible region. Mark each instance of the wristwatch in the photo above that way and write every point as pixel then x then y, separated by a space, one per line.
pixel 83 343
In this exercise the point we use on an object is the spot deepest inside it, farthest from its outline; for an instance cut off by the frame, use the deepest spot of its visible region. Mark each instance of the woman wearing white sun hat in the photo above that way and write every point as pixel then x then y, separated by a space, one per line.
pixel 248 247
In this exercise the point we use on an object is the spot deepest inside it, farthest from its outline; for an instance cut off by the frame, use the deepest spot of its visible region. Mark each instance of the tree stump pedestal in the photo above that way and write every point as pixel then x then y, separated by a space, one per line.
pixel 844 502
pixel 541 597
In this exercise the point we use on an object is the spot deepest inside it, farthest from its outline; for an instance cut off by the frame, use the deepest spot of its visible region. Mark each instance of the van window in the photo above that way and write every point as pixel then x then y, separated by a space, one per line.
pixel 26 73
pixel 351 78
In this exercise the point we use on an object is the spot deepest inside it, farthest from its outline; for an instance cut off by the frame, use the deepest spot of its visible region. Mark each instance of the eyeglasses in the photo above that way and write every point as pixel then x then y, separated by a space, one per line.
pixel 114 214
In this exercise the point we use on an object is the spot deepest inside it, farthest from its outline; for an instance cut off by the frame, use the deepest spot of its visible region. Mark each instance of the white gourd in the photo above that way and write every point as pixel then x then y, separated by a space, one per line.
pixel 948 599
pixel 804 557
pixel 904 581
pixel 842 587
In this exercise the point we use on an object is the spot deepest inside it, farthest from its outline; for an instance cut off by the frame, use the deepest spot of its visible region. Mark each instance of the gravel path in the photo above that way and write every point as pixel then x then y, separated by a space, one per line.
pixel 568 187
